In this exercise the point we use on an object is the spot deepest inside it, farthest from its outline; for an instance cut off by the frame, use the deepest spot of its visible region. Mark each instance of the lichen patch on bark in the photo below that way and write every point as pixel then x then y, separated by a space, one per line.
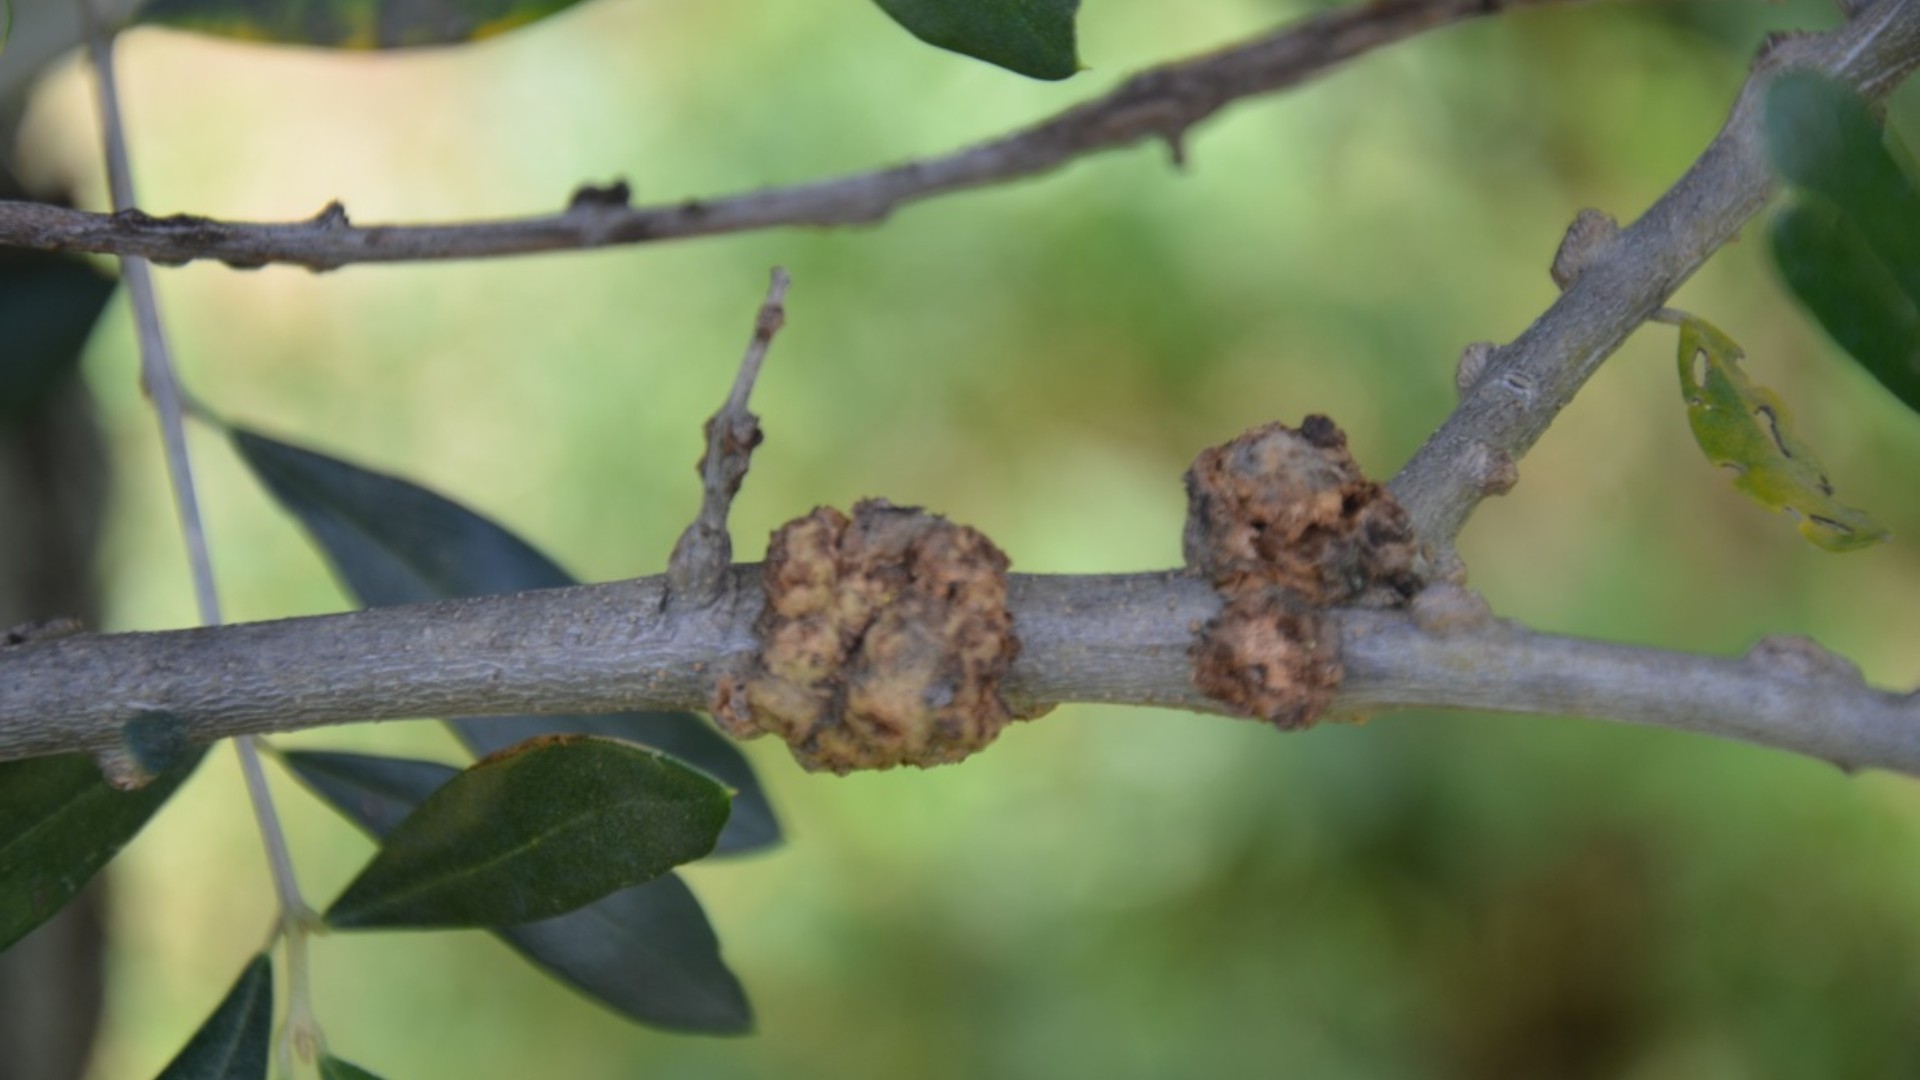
pixel 1285 525
pixel 883 641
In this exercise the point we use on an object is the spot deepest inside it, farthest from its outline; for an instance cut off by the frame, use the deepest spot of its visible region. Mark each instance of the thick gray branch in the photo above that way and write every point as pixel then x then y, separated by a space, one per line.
pixel 1161 103
pixel 1120 639
pixel 1524 385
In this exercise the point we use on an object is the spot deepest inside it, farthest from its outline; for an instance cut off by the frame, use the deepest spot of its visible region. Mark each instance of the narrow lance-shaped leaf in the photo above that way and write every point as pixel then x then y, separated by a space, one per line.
pixel 332 1068
pixel 352 24
pixel 1032 37
pixel 1746 427
pixel 232 1044
pixel 1849 244
pixel 48 306
pixel 534 832
pixel 646 952
pixel 394 542
pixel 60 822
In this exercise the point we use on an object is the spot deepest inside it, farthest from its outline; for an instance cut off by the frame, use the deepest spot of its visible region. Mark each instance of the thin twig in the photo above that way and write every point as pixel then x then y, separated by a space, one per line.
pixel 705 550
pixel 161 381
pixel 1524 385
pixel 1160 103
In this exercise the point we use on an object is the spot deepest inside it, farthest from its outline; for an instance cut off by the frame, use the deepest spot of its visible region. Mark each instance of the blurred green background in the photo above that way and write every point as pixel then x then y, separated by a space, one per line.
pixel 1108 892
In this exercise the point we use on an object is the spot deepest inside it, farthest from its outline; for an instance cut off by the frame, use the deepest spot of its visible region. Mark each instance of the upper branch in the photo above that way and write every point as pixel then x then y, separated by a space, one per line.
pixel 1160 103
pixel 1525 384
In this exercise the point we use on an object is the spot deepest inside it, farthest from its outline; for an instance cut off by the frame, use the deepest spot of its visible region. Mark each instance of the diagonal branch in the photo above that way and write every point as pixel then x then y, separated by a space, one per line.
pixel 1160 103
pixel 1626 278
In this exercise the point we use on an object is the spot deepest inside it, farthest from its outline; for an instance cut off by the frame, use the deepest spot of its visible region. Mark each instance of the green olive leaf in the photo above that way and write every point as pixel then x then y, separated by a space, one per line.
pixel 391 541
pixel 646 952
pixel 60 822
pixel 1031 37
pixel 232 1044
pixel 332 1068
pixel 536 831
pixel 351 24
pixel 1848 244
pixel 1745 426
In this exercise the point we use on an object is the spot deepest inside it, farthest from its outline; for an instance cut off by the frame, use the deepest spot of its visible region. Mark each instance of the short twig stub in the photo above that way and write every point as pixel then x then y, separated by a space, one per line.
pixel 1285 525
pixel 883 642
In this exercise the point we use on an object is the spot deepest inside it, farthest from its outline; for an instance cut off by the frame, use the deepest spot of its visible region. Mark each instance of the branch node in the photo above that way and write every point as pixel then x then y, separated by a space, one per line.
pixel 1492 469
pixel 1474 360
pixel 1587 240
pixel 697 569
pixel 883 642
pixel 1449 608
pixel 332 217
pixel 615 196
pixel 1804 658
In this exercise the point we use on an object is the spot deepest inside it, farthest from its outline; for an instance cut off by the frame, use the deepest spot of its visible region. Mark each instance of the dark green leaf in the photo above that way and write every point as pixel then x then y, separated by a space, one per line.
pixel 681 735
pixel 332 1068
pixel 376 793
pixel 534 832
pixel 48 305
pixel 1032 37
pixel 352 24
pixel 647 952
pixel 1849 245
pixel 393 542
pixel 1832 269
pixel 60 822
pixel 232 1044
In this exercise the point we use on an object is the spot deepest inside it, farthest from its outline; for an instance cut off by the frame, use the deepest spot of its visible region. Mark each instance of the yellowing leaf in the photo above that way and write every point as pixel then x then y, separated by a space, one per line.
pixel 1746 427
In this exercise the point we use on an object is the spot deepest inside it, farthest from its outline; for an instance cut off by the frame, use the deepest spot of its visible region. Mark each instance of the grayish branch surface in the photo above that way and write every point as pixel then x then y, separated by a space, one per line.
pixel 705 550
pixel 1121 639
pixel 1161 103
pixel 1523 386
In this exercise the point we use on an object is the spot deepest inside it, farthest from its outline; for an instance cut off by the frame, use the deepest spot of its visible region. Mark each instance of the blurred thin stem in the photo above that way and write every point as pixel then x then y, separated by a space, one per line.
pixel 160 380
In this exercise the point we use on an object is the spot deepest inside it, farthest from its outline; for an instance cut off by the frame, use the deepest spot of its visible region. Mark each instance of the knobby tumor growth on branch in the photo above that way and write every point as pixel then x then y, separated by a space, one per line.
pixel 883 642
pixel 1284 525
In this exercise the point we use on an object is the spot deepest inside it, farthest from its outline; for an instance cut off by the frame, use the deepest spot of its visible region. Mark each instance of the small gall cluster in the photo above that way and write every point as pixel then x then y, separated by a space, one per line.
pixel 1285 525
pixel 883 641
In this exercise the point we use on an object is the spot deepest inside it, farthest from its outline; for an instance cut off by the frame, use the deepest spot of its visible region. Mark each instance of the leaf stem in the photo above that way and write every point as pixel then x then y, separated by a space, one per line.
pixel 160 379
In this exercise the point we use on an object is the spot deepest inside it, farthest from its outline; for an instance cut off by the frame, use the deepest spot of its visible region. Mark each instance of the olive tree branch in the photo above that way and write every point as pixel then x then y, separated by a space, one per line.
pixel 1159 103
pixel 1624 279
pixel 1120 639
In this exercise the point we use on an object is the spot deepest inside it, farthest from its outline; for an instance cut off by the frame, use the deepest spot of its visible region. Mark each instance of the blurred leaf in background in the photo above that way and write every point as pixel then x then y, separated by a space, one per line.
pixel 352 24
pixel 48 306
pixel 1849 242
pixel 1032 37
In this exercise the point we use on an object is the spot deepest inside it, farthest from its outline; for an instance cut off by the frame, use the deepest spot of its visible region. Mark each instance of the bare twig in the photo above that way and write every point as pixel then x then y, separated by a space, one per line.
pixel 700 559
pixel 1524 385
pixel 1160 103
pixel 1120 638
pixel 162 382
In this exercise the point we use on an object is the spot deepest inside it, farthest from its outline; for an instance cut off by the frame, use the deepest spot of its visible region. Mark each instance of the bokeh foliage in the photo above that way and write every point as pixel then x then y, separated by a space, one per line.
pixel 1107 893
